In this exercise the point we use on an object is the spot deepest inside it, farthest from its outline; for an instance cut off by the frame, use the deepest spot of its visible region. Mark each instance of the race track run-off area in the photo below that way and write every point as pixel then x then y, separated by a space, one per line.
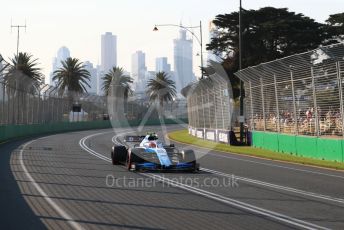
pixel 67 181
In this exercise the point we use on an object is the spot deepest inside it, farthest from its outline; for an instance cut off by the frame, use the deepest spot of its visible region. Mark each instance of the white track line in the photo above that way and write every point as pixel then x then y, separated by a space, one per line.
pixel 55 206
pixel 279 187
pixel 220 154
pixel 217 197
pixel 274 165
pixel 264 184
pixel 239 204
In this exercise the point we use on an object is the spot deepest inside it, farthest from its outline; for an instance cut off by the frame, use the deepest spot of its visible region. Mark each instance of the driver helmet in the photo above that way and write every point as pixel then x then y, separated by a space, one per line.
pixel 152 144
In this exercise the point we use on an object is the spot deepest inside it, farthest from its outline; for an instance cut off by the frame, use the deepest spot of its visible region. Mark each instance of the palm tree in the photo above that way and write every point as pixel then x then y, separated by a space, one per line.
pixel 117 77
pixel 23 73
pixel 3 65
pixel 161 89
pixel 72 78
pixel 117 86
pixel 22 79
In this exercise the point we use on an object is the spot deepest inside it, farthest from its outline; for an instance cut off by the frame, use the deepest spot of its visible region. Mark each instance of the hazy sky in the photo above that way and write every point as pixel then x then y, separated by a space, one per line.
pixel 78 25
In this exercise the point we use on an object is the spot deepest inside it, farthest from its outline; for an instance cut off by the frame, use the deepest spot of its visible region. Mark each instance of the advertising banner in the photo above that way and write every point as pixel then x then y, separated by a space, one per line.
pixel 223 136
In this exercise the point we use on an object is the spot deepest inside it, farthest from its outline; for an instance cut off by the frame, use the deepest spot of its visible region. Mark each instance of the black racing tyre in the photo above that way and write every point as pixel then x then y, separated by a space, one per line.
pixel 112 159
pixel 119 154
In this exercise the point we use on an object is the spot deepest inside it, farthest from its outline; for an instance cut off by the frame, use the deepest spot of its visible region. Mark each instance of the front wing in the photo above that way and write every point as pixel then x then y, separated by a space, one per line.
pixel 176 167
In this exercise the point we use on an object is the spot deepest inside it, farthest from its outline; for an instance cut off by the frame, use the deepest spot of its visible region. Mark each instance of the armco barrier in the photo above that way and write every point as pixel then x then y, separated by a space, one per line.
pixel 305 146
pixel 9 132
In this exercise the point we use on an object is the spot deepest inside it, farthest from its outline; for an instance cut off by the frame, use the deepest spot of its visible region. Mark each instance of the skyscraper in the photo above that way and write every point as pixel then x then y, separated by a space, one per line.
pixel 139 69
pixel 108 57
pixel 183 73
pixel 93 79
pixel 62 54
pixel 161 64
pixel 100 75
pixel 108 51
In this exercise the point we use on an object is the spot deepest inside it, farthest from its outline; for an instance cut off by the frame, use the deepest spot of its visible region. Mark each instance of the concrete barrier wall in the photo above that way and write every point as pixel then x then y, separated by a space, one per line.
pixel 305 146
pixel 8 132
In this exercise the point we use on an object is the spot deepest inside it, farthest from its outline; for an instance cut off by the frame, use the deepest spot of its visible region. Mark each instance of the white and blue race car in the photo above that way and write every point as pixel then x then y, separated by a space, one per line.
pixel 152 154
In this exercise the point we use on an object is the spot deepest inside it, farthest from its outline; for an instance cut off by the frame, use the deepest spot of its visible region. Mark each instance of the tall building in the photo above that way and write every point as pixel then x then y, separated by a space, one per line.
pixel 62 54
pixel 108 56
pixel 138 70
pixel 100 74
pixel 150 75
pixel 138 65
pixel 93 79
pixel 108 51
pixel 161 64
pixel 183 73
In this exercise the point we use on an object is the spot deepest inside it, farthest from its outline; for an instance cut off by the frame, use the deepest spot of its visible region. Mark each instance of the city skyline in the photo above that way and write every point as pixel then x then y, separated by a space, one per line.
pixel 108 53
pixel 161 64
pixel 138 69
pixel 62 54
pixel 94 81
pixel 51 24
pixel 108 57
pixel 183 61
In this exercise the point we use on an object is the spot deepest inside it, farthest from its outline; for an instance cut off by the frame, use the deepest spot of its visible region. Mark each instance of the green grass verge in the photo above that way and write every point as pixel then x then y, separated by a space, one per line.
pixel 184 137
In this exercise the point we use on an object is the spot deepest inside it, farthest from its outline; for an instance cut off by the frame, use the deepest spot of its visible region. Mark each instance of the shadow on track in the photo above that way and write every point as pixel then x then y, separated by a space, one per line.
pixel 14 211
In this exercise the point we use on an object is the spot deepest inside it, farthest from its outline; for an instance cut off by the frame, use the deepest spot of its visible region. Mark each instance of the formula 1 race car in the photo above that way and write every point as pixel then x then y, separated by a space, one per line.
pixel 149 153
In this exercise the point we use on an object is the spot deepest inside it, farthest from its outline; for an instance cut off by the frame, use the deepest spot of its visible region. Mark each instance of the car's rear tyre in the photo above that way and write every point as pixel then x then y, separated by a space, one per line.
pixel 119 154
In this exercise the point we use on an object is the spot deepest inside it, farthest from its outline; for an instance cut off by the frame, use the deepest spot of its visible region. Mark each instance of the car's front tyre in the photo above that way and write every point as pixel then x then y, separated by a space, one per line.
pixel 112 159
pixel 119 154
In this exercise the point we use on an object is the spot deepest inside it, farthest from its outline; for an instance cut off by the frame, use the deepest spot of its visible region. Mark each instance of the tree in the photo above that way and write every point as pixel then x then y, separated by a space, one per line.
pixel 161 89
pixel 3 66
pixel 117 86
pixel 268 34
pixel 116 76
pixel 337 20
pixel 22 78
pixel 23 73
pixel 335 28
pixel 72 78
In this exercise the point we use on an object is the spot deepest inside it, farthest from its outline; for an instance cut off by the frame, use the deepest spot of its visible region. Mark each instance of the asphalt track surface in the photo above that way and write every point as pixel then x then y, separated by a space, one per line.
pixel 66 181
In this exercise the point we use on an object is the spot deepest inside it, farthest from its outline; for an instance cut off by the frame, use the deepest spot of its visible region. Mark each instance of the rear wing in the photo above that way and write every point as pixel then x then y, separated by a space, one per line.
pixel 134 138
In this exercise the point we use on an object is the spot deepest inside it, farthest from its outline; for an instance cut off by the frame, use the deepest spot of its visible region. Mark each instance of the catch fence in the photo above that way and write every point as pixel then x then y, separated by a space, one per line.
pixel 27 101
pixel 24 101
pixel 301 94
pixel 211 107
